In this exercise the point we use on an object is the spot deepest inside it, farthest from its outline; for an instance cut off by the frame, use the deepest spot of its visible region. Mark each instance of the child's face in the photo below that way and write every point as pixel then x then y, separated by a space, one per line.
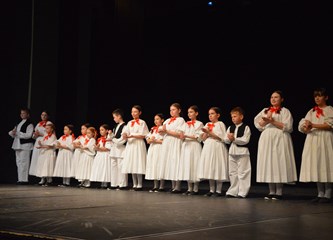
pixel 320 100
pixel 103 131
pixel 44 116
pixel 24 114
pixel 192 114
pixel 67 131
pixel 236 117
pixel 174 112
pixel 213 116
pixel 158 121
pixel 276 100
pixel 135 113
pixel 90 134
pixel 83 130
pixel 48 129
pixel 116 118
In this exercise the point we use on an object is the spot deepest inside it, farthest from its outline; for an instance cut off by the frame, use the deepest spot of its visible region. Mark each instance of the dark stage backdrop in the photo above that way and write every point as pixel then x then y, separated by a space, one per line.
pixel 92 56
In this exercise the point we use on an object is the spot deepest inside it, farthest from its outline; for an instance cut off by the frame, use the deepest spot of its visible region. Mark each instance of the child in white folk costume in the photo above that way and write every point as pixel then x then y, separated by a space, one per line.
pixel 191 151
pixel 101 168
pixel 153 166
pixel 275 156
pixel 135 155
pixel 119 180
pixel 317 162
pixel 47 155
pixel 238 136
pixel 65 155
pixel 87 157
pixel 214 156
pixel 38 134
pixel 77 144
pixel 171 147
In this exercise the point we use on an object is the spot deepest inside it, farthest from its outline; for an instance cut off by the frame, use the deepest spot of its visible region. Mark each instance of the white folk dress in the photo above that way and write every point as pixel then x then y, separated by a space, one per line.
pixel 275 155
pixel 317 155
pixel 153 166
pixel 64 157
pixel 40 127
pixel 101 168
pixel 171 148
pixel 214 156
pixel 86 160
pixel 135 154
pixel 47 157
pixel 77 155
pixel 190 152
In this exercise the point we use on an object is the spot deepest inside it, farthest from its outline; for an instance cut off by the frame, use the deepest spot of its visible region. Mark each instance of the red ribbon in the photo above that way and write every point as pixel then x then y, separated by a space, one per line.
pixel 154 129
pixel 319 111
pixel 275 109
pixel 63 137
pixel 103 139
pixel 42 123
pixel 210 126
pixel 189 123
pixel 47 136
pixel 86 141
pixel 135 121
pixel 172 120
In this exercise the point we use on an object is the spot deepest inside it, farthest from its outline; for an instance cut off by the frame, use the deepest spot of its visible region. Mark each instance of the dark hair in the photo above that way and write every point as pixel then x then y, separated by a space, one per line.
pixel 118 111
pixel 216 109
pixel 87 125
pixel 238 109
pixel 25 109
pixel 282 97
pixel 320 92
pixel 105 126
pixel 160 115
pixel 138 107
pixel 70 126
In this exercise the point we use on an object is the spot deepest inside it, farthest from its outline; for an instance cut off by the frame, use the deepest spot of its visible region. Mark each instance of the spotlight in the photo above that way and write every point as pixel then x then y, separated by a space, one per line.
pixel 210 3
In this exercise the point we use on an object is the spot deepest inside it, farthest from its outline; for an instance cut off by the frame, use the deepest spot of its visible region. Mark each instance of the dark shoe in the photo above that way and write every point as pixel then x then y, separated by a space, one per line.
pixel 269 197
pixel 324 200
pixel 138 189
pixel 161 190
pixel 193 193
pixel 230 196
pixel 121 188
pixel 187 193
pixel 175 191
pixel 217 194
pixel 209 194
pixel 315 200
pixel 277 197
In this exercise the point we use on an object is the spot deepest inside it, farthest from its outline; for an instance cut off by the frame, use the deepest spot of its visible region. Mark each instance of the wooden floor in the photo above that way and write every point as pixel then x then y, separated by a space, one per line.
pixel 36 212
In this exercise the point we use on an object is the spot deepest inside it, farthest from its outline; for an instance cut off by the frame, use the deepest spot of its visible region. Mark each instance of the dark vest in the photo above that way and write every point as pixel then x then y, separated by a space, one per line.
pixel 240 132
pixel 24 130
pixel 120 129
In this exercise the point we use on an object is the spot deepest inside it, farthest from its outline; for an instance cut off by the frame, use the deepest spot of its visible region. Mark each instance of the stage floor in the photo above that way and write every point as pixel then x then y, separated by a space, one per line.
pixel 35 212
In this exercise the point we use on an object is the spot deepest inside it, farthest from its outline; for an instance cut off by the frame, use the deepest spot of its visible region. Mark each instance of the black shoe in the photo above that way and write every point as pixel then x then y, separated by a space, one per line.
pixel 175 191
pixel 230 196
pixel 161 190
pixel 277 197
pixel 315 200
pixel 324 200
pixel 217 194
pixel 138 189
pixel 193 193
pixel 187 193
pixel 269 197
pixel 209 194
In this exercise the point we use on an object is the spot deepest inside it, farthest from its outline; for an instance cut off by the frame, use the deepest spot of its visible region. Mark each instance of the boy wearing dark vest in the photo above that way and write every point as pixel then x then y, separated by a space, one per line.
pixel 23 145
pixel 238 136
pixel 119 180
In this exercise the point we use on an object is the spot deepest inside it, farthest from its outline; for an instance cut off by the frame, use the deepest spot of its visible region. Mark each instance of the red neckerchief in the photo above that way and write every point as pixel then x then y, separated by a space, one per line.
pixel 135 121
pixel 103 139
pixel 189 123
pixel 42 123
pixel 172 120
pixel 86 141
pixel 211 126
pixel 275 109
pixel 83 135
pixel 63 137
pixel 319 111
pixel 154 129
pixel 47 136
